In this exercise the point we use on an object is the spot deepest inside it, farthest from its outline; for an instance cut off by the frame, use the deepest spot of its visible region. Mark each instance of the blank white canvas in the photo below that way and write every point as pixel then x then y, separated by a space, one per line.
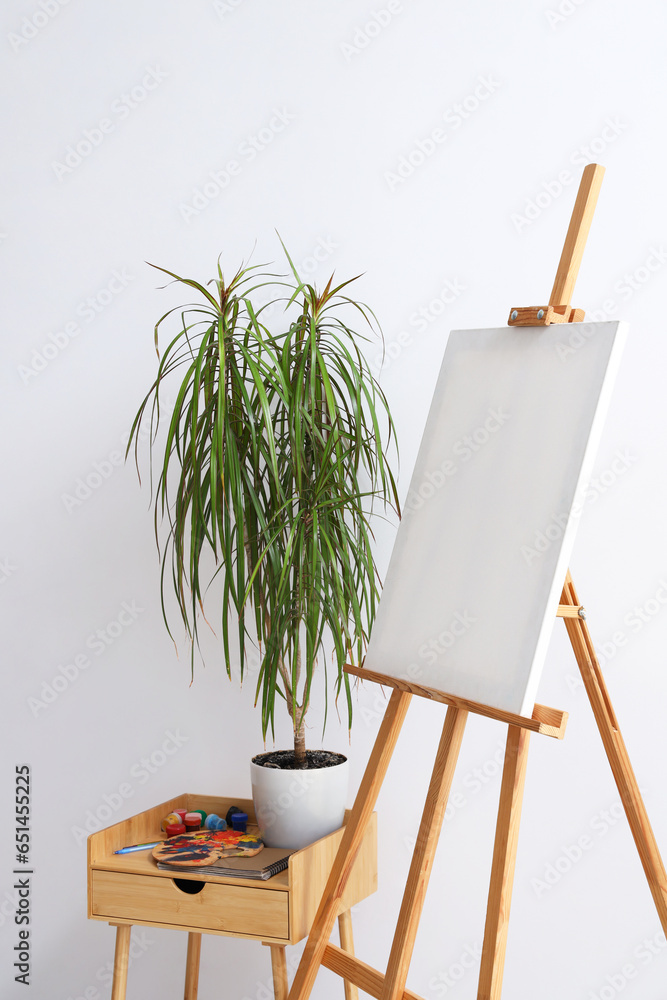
pixel 481 554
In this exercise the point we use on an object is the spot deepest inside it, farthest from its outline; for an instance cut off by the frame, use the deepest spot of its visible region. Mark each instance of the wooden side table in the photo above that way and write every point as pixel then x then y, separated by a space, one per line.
pixel 127 889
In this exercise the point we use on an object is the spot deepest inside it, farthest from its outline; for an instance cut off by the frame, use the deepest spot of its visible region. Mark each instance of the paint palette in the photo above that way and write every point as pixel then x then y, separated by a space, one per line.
pixel 207 846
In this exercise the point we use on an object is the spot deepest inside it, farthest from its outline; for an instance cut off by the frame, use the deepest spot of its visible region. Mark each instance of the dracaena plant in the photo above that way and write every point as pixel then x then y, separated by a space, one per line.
pixel 275 454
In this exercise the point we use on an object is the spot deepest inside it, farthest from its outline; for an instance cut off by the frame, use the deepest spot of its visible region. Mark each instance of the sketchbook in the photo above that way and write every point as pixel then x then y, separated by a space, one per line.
pixel 264 865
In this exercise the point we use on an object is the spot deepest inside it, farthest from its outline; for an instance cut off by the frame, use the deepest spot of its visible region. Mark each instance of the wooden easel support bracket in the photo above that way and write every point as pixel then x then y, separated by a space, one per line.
pixel 567 611
pixel 559 309
pixel 544 315
pixel 545 721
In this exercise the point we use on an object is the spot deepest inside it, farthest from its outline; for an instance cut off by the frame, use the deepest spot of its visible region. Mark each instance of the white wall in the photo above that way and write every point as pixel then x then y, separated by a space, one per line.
pixel 356 93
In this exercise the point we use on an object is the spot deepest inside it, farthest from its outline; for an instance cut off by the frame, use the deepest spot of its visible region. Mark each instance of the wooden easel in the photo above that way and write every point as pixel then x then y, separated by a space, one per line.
pixel 550 722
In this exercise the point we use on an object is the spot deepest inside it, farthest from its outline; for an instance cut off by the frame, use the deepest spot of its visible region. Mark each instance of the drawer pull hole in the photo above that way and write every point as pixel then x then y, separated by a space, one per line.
pixel 189 885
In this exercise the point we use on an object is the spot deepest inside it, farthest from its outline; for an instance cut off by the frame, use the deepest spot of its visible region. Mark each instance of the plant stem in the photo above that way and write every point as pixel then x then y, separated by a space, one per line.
pixel 290 699
pixel 300 745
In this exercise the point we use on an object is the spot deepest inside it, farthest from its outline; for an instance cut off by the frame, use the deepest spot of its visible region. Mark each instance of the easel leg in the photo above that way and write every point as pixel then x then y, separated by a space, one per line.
pixel 279 970
pixel 626 781
pixel 355 828
pixel 121 961
pixel 347 944
pixel 192 966
pixel 424 852
pixel 502 869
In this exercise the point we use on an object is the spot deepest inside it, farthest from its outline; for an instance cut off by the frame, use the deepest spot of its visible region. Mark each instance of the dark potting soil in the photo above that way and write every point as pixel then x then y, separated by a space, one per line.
pixel 284 759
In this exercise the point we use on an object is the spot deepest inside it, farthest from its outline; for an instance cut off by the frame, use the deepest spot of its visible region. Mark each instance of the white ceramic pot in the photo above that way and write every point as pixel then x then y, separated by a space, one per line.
pixel 296 807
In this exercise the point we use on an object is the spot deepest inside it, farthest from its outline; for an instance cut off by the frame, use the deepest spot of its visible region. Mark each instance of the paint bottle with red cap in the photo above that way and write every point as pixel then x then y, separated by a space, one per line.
pixel 174 829
pixel 192 822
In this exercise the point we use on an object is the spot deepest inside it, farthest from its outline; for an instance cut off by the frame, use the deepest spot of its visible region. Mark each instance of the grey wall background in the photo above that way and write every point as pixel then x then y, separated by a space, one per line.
pixel 436 147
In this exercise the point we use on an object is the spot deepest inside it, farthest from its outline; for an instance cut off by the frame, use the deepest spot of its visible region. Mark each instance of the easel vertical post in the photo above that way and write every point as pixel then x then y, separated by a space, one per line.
pixel 424 852
pixel 559 309
pixel 355 827
pixel 577 234
pixel 502 868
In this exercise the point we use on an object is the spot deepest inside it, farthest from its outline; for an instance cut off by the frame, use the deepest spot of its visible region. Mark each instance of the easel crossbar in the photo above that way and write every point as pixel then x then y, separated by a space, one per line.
pixel 355 971
pixel 546 721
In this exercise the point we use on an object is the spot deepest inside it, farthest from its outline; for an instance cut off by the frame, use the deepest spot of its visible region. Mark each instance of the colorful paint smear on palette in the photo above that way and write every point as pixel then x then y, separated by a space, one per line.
pixel 205 847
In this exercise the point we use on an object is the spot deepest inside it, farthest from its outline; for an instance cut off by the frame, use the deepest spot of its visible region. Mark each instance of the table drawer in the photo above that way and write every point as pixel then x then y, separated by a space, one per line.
pixel 238 909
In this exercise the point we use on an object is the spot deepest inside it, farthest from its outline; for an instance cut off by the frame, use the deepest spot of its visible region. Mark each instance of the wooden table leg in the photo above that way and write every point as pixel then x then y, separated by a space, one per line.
pixel 347 944
pixel 121 961
pixel 192 966
pixel 279 969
